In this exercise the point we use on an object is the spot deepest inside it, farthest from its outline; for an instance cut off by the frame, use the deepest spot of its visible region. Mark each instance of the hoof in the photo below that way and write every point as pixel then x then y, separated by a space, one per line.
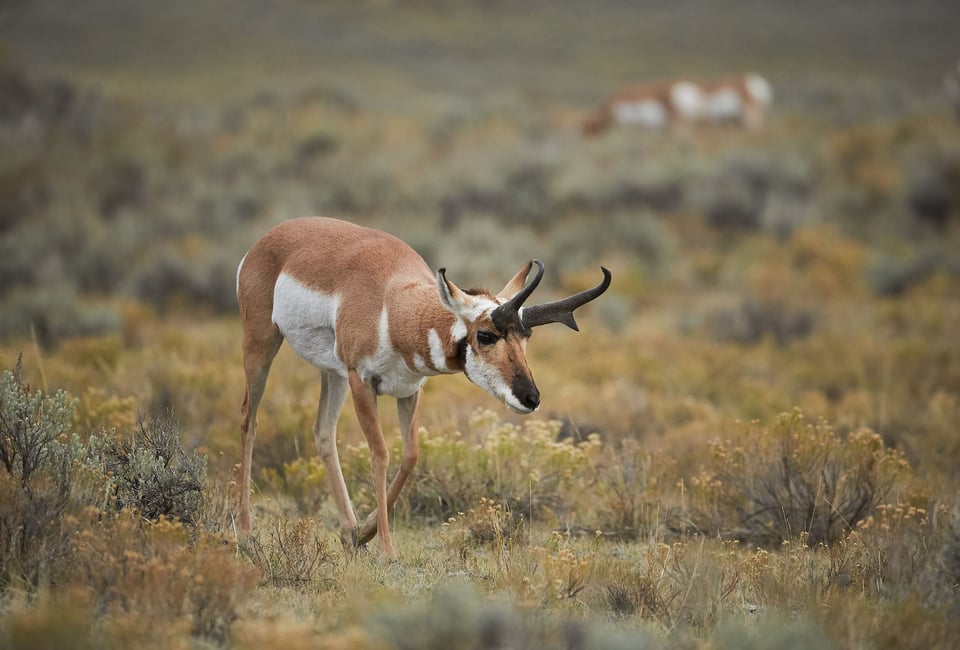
pixel 351 541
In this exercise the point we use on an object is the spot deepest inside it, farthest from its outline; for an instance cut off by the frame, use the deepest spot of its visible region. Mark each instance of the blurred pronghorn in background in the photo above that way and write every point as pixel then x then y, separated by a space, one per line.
pixel 742 101
pixel 651 106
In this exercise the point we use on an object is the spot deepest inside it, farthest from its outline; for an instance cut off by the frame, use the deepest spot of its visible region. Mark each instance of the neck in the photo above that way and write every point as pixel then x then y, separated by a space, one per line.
pixel 430 337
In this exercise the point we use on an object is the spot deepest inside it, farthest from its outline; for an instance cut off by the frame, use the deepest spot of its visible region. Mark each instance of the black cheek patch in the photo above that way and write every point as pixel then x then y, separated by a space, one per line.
pixel 462 353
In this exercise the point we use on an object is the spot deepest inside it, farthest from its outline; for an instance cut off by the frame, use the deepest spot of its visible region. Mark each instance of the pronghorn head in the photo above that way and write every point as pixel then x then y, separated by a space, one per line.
pixel 494 330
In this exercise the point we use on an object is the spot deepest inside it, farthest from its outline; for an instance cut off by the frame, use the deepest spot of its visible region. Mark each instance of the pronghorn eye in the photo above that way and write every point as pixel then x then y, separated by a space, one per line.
pixel 487 338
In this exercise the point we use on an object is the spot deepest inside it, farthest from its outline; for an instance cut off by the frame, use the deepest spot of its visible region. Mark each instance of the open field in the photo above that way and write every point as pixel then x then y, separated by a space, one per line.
pixel 753 441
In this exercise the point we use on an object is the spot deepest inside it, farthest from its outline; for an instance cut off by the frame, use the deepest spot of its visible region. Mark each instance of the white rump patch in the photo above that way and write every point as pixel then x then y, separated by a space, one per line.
pixel 488 377
pixel 687 100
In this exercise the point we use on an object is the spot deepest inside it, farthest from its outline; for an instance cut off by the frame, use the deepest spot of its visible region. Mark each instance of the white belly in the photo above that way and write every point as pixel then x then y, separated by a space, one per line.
pixel 646 113
pixel 307 319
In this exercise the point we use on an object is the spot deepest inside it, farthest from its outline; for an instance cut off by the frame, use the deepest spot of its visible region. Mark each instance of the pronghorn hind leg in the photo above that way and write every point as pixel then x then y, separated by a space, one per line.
pixel 408 408
pixel 333 393
pixel 258 356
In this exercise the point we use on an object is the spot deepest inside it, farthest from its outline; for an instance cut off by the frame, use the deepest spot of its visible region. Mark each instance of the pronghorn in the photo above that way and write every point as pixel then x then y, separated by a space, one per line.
pixel 366 309
pixel 742 100
pixel 653 106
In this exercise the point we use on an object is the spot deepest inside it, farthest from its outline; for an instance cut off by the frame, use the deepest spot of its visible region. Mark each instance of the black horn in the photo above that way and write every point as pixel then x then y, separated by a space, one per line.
pixel 561 311
pixel 509 312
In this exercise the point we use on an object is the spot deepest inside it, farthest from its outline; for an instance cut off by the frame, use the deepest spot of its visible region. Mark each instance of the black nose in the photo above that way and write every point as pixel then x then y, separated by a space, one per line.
pixel 526 392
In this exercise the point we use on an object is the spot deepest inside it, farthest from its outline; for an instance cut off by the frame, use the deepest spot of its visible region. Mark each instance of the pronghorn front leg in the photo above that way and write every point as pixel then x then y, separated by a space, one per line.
pixel 408 409
pixel 365 403
pixel 333 393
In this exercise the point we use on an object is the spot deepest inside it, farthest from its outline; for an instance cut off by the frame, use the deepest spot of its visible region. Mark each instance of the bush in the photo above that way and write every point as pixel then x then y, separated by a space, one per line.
pixel 753 320
pixel 889 276
pixel 149 574
pixel 625 494
pixel 53 486
pixel 774 484
pixel 151 471
pixel 461 618
pixel 38 483
pixel 294 556
pixel 773 633
pixel 487 523
pixel 524 469
pixel 30 424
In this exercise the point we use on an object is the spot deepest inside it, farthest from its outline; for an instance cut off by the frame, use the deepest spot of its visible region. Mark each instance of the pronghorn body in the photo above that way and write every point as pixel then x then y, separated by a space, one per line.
pixel 378 343
pixel 654 106
pixel 742 100
pixel 365 308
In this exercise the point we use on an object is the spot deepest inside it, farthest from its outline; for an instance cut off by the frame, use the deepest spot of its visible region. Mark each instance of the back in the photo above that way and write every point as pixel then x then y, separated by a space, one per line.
pixel 324 283
pixel 347 253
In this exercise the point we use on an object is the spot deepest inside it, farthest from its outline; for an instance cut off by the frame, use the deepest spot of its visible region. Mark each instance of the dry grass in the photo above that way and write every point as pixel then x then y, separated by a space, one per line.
pixel 613 539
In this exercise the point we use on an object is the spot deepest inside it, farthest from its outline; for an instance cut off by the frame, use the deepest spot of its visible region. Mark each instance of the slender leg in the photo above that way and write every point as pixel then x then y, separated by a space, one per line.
pixel 257 358
pixel 365 402
pixel 333 393
pixel 408 409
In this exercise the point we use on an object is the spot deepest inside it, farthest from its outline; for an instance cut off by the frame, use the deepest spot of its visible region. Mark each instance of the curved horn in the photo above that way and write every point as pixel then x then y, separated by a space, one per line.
pixel 561 311
pixel 509 311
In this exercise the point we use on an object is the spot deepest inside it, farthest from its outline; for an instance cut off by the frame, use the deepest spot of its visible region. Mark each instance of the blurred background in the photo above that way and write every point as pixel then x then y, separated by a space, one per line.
pixel 145 146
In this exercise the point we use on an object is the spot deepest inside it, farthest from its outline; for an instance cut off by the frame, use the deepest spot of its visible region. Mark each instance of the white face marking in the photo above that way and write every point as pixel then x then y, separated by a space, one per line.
pixel 307 319
pixel 488 377
pixel 645 112
pixel 459 330
pixel 469 313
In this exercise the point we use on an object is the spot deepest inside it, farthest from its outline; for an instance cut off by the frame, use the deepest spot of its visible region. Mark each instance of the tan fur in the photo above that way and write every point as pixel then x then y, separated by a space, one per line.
pixel 336 257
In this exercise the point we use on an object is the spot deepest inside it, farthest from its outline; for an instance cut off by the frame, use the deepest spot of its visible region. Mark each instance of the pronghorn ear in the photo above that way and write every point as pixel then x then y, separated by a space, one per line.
pixel 516 283
pixel 451 296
